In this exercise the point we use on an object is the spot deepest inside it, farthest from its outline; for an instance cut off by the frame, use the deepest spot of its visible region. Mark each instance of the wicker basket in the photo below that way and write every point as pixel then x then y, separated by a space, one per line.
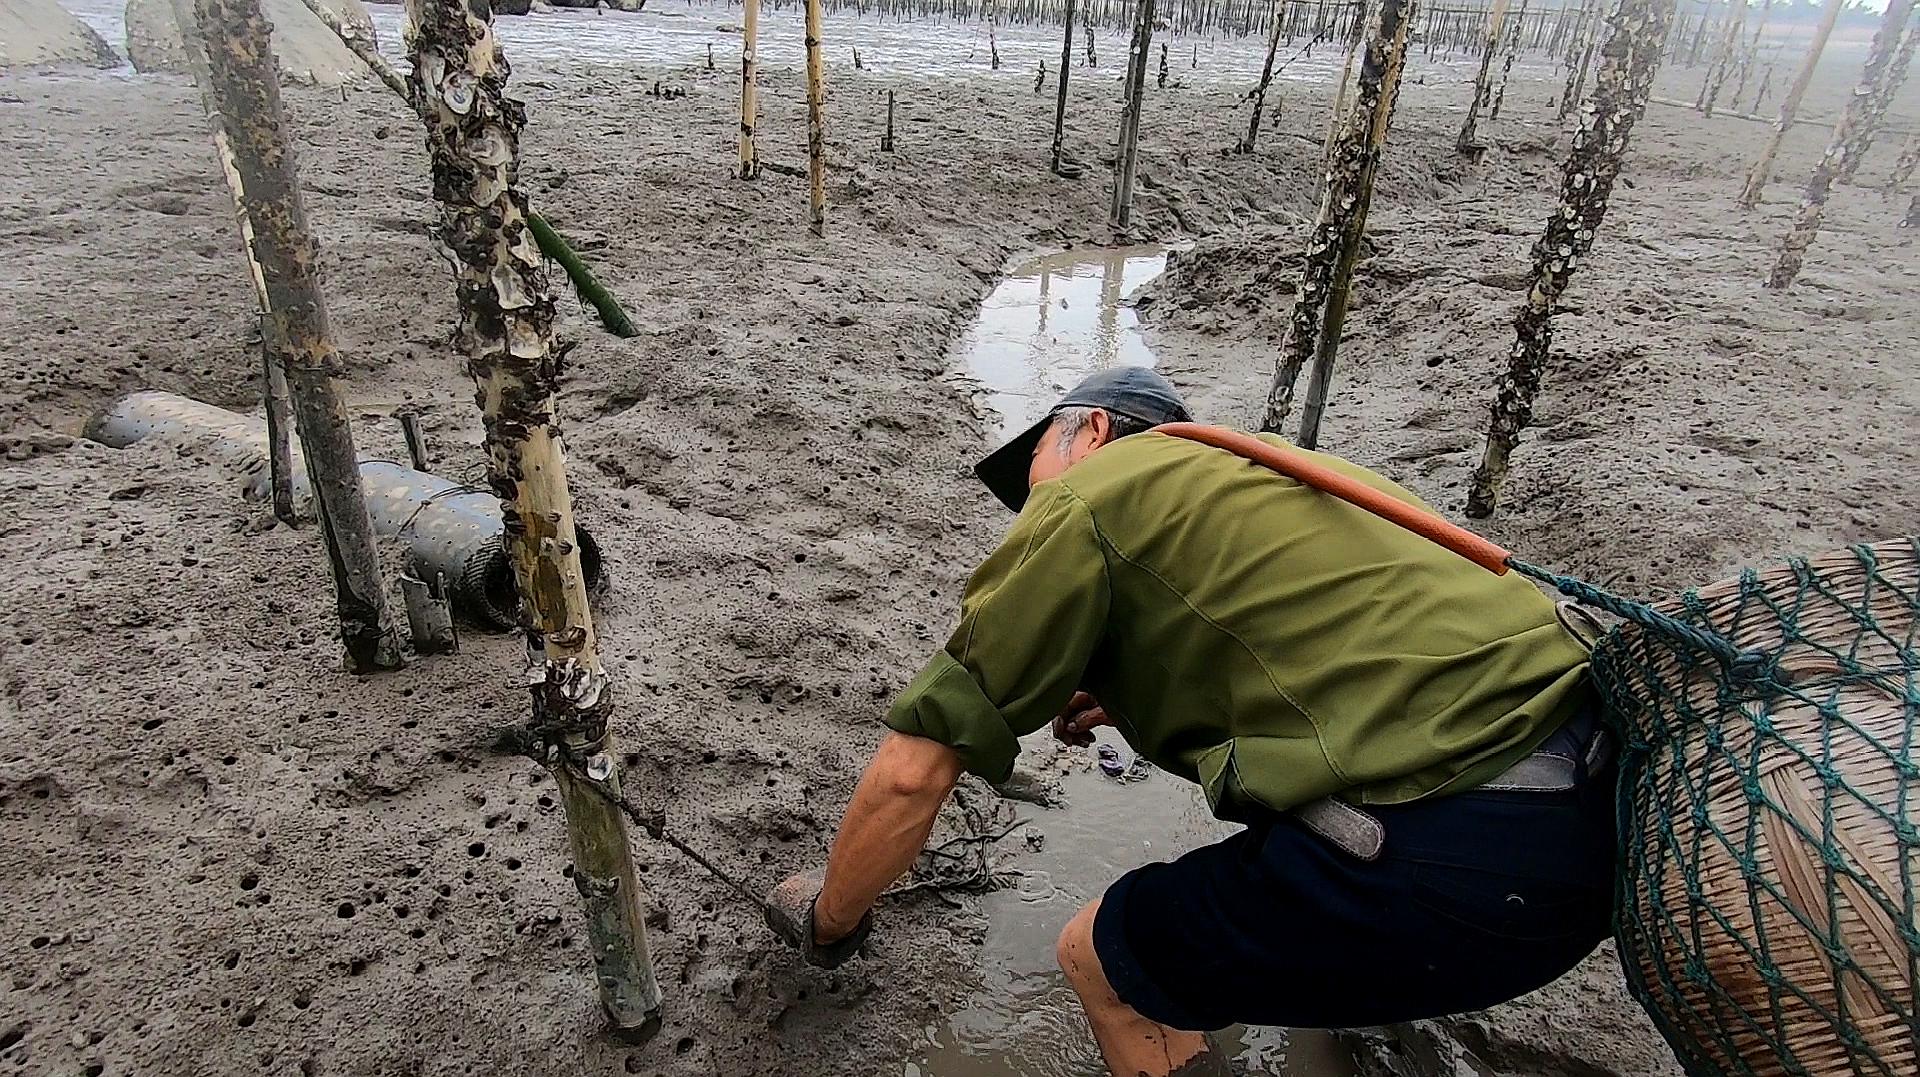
pixel 1769 862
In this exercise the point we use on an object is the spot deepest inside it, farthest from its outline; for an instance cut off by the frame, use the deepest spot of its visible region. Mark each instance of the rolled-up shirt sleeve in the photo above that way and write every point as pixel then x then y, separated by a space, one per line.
pixel 1031 618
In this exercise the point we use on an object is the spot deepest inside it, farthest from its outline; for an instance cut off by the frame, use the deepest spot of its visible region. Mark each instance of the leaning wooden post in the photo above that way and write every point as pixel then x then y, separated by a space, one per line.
pixel 1259 93
pixel 1903 167
pixel 1723 60
pixel 1344 209
pixel 816 126
pixel 749 88
pixel 1586 36
pixel 1851 136
pixel 1884 94
pixel 1483 82
pixel 1506 66
pixel 1628 64
pixel 506 331
pixel 1343 212
pixel 1127 159
pixel 1060 95
pixel 1762 169
pixel 1356 32
pixel 246 93
pixel 273 349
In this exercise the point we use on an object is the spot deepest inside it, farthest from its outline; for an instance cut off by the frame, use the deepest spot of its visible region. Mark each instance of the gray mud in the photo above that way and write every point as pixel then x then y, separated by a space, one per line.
pixel 223 856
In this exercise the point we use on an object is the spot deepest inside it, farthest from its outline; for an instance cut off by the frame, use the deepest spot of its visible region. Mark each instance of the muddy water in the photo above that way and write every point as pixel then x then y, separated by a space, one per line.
pixel 1050 321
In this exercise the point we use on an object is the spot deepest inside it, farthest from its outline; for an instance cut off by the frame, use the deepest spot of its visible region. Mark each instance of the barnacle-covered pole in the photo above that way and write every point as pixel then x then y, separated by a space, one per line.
pixel 1903 167
pixel 1723 60
pixel 1851 137
pixel 1629 61
pixel 1127 160
pixel 816 126
pixel 1356 33
pixel 1482 82
pixel 1586 34
pixel 1060 96
pixel 506 331
pixel 1506 66
pixel 246 95
pixel 1884 94
pixel 749 89
pixel 273 349
pixel 1259 93
pixel 1762 169
pixel 1319 307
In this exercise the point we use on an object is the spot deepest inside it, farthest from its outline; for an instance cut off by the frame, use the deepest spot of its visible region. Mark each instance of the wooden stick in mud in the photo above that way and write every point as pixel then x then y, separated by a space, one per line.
pixel 1333 246
pixel 1883 97
pixel 1723 60
pixel 1506 66
pixel 1060 95
pixel 816 126
pixel 1355 34
pixel 246 95
pixel 273 348
pixel 1259 93
pixel 1586 35
pixel 1903 167
pixel 1762 169
pixel 506 331
pixel 749 88
pixel 1482 82
pixel 1349 195
pixel 1912 219
pixel 1628 65
pixel 1127 159
pixel 886 140
pixel 1850 140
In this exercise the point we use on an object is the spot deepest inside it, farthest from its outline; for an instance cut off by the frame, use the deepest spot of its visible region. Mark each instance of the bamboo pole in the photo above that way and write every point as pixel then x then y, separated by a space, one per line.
pixel 1320 304
pixel 1355 34
pixel 506 331
pixel 1723 60
pixel 1127 159
pixel 273 347
pixel 1349 196
pixel 1762 169
pixel 1060 95
pixel 1259 93
pixel 816 126
pixel 749 88
pixel 1876 108
pixel 1850 140
pixel 1482 82
pixel 246 94
pixel 1506 67
pixel 1628 65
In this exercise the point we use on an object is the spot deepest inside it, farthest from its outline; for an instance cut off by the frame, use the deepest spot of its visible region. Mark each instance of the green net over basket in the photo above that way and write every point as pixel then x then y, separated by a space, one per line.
pixel 1770 812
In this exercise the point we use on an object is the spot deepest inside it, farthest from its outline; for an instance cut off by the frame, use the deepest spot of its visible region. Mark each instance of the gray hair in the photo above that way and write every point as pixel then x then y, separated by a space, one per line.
pixel 1070 421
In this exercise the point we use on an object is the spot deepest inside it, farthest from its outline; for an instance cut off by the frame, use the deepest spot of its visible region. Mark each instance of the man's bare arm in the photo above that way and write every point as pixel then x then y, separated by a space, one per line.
pixel 886 825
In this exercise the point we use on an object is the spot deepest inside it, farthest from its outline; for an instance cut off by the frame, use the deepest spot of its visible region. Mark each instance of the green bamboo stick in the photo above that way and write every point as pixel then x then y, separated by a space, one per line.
pixel 591 290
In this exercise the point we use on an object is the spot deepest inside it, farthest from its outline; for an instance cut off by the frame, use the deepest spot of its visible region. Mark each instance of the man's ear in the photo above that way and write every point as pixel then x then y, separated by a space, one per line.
pixel 1101 425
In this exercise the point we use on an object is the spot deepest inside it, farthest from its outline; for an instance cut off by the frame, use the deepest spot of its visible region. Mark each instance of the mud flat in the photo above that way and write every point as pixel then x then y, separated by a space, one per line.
pixel 226 857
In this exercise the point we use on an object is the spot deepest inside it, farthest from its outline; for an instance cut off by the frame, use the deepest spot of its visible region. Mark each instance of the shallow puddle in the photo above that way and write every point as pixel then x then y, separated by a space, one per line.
pixel 1048 323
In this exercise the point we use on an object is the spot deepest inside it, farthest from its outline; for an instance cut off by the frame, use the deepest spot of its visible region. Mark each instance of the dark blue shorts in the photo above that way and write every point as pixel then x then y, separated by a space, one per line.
pixel 1476 899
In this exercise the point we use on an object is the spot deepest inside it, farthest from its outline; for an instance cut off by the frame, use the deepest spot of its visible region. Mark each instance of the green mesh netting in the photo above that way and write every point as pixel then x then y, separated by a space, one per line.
pixel 1768 801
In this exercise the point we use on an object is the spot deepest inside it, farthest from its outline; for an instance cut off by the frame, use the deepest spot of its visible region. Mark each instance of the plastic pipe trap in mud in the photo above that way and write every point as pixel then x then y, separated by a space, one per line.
pixel 450 529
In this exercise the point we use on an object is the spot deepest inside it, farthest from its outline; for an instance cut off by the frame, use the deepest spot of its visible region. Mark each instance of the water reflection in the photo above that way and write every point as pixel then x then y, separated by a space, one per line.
pixel 1054 320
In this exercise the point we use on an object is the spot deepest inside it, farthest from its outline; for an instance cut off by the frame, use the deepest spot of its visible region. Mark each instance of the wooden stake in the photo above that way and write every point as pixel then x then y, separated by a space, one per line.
pixel 1628 65
pixel 1586 33
pixel 273 347
pixel 816 126
pixel 1127 159
pixel 1160 81
pixel 1850 140
pixel 246 95
pixel 506 331
pixel 1506 66
pixel 1483 82
pixel 1060 95
pixel 1344 208
pixel 1723 60
pixel 1903 167
pixel 1326 275
pixel 749 88
pixel 1912 219
pixel 886 140
pixel 1876 108
pixel 1355 34
pixel 1259 93
pixel 416 441
pixel 1762 169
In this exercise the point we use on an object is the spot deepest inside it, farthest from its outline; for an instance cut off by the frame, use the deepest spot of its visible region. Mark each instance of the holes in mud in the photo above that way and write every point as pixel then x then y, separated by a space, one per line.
pixel 302 1000
pixel 246 1020
pixel 685 1045
pixel 152 724
pixel 357 966
pixel 345 911
pixel 632 1064
pixel 477 849
pixel 40 942
pixel 249 881
pixel 94 1069
pixel 232 960
pixel 513 864
pixel 12 1036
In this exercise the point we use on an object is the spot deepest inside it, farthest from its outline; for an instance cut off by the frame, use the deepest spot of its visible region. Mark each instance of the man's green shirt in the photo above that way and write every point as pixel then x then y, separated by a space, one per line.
pixel 1249 633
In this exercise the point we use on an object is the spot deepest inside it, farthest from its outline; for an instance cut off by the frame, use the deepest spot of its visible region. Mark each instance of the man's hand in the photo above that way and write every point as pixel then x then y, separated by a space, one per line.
pixel 1075 725
pixel 790 913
